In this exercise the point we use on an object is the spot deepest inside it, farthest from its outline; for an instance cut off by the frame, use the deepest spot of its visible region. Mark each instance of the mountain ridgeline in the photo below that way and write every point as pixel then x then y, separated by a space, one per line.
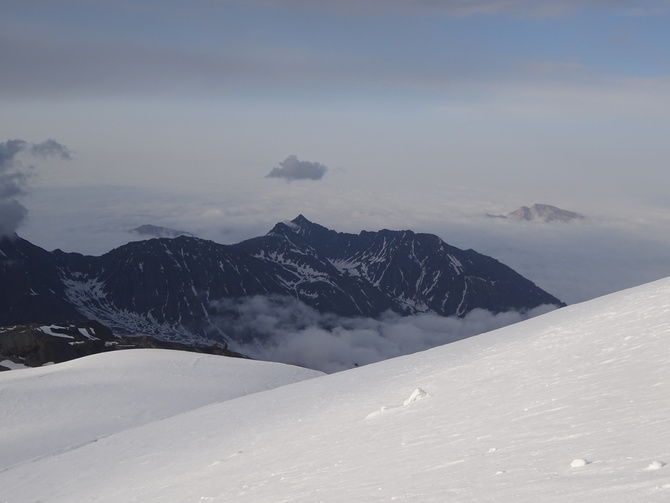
pixel 181 289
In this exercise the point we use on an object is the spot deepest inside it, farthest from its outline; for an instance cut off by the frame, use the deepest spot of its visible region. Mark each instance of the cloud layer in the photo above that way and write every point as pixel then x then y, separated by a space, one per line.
pixel 292 169
pixel 14 178
pixel 285 330
pixel 310 61
pixel 462 8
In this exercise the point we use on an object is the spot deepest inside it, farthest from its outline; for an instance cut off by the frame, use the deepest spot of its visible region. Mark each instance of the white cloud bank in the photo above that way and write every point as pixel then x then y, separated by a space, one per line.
pixel 285 330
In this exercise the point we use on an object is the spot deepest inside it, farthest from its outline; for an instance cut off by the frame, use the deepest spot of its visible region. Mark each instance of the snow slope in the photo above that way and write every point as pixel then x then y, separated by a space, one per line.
pixel 49 410
pixel 572 405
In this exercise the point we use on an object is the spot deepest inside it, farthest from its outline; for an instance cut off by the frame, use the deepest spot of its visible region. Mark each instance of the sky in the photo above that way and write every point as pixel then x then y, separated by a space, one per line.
pixel 223 117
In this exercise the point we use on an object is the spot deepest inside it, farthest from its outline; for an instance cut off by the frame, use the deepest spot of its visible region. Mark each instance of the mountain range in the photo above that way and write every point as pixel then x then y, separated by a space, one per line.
pixel 183 289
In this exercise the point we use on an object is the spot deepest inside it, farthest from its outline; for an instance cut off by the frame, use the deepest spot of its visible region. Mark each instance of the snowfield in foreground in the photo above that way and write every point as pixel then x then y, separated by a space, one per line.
pixel 52 409
pixel 572 405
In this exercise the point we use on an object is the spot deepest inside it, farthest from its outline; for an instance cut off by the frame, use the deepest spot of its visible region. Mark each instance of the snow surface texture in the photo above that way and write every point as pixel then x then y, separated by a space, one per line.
pixel 569 406
pixel 50 410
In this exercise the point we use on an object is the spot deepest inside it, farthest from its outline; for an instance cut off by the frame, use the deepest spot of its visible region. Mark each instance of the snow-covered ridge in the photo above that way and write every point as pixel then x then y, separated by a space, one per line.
pixel 568 406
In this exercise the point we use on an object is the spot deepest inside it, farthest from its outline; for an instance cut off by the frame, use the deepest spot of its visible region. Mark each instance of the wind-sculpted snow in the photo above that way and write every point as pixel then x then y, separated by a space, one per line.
pixel 569 406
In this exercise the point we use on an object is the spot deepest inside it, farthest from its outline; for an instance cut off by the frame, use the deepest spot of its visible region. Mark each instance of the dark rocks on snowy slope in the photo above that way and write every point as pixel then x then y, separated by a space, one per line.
pixel 33 344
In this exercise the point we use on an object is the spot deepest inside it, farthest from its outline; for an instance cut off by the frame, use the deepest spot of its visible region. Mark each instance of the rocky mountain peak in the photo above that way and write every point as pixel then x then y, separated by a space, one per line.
pixel 305 227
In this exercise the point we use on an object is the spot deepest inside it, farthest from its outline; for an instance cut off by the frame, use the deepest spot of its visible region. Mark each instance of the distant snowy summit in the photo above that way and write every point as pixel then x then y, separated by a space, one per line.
pixel 541 213
pixel 155 231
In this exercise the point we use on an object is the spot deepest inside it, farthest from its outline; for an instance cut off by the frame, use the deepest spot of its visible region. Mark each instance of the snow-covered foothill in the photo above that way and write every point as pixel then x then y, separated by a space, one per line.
pixel 48 410
pixel 509 414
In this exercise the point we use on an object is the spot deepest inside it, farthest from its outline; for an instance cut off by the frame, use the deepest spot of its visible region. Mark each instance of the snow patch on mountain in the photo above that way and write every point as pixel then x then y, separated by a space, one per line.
pixel 347 266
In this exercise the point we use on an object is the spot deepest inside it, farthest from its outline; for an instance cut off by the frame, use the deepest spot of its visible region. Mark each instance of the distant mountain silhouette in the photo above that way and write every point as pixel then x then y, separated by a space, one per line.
pixel 541 213
pixel 159 232
pixel 172 288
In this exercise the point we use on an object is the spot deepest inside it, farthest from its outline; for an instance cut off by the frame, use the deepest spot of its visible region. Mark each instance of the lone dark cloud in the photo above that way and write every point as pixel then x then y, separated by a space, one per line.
pixel 14 178
pixel 293 168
